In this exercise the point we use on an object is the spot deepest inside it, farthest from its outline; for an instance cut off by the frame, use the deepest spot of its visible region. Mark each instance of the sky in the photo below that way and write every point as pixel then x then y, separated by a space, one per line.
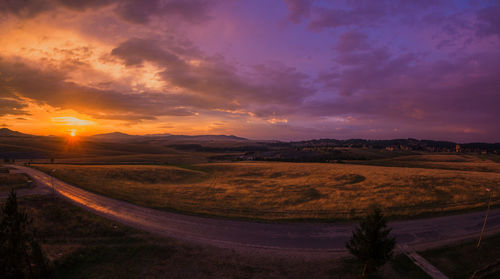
pixel 261 69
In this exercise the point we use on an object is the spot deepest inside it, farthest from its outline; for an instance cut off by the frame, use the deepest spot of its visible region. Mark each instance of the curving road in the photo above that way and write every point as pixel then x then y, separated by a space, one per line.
pixel 299 237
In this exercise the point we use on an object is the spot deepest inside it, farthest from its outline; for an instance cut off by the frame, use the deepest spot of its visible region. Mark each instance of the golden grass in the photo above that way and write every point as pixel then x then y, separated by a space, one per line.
pixel 276 190
pixel 484 163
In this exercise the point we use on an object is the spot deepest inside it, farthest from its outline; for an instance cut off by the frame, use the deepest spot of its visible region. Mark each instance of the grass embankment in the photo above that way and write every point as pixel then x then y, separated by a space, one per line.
pixel 14 181
pixel 276 190
pixel 83 245
pixel 462 260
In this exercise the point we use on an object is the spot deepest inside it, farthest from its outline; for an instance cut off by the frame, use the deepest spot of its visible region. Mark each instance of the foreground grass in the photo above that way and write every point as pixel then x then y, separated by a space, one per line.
pixel 276 190
pixel 83 245
pixel 401 264
pixel 460 261
pixel 15 181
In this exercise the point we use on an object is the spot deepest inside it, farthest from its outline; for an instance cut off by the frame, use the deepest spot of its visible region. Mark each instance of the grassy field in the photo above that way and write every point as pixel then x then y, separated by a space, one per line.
pixel 482 163
pixel 460 261
pixel 13 181
pixel 276 190
pixel 82 245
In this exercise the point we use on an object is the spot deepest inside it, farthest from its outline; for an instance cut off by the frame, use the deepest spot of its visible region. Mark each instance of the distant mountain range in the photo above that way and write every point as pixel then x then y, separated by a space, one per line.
pixel 4 132
pixel 413 144
pixel 118 136
pixel 115 136
pixel 121 137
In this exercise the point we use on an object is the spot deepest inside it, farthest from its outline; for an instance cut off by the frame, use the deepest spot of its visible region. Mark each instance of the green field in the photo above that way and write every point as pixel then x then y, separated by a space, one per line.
pixel 277 190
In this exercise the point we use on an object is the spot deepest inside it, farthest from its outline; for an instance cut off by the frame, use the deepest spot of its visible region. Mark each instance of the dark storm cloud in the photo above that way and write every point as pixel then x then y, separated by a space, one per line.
pixel 26 8
pixel 80 5
pixel 350 41
pixel 135 51
pixel 194 11
pixel 359 14
pixel 489 20
pixel 135 11
pixel 30 8
pixel 12 106
pixel 50 87
pixel 298 9
pixel 370 65
pixel 211 87
pixel 355 13
pixel 213 78
pixel 405 87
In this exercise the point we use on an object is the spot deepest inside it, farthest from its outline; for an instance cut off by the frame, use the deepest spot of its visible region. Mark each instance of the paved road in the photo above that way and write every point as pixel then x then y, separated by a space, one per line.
pixel 300 237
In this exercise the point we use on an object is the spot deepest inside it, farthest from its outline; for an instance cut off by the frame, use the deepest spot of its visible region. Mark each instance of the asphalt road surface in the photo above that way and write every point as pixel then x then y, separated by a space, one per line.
pixel 288 237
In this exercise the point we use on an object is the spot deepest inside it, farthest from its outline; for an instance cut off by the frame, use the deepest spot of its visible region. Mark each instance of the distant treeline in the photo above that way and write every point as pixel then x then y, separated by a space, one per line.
pixel 406 144
pixel 331 150
pixel 201 148
pixel 21 155
pixel 291 155
pixel 328 150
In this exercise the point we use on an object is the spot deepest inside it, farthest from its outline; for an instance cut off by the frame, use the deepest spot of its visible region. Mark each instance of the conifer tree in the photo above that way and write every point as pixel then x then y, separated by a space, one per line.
pixel 20 253
pixel 370 242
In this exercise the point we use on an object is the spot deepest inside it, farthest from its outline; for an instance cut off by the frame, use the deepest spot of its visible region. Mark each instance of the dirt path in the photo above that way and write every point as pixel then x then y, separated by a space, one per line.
pixel 300 237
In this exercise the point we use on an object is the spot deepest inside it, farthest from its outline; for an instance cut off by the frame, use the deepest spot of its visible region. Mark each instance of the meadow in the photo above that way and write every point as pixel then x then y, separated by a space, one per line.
pixel 466 162
pixel 287 191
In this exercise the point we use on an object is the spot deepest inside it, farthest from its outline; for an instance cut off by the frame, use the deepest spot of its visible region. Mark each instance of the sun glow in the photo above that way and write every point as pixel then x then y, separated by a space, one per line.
pixel 73 121
pixel 71 126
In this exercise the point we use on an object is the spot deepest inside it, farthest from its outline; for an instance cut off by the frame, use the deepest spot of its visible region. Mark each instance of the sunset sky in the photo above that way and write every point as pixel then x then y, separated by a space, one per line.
pixel 268 69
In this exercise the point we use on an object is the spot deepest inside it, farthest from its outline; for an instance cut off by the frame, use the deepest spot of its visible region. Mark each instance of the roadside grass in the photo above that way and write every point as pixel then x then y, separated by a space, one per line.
pixel 285 191
pixel 403 265
pixel 84 245
pixel 156 260
pixel 461 260
pixel 15 181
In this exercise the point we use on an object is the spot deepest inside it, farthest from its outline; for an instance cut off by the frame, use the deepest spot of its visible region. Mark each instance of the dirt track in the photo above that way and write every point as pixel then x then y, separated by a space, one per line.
pixel 298 237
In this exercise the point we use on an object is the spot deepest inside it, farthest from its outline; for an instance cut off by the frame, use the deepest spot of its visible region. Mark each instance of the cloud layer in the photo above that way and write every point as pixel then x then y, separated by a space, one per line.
pixel 291 70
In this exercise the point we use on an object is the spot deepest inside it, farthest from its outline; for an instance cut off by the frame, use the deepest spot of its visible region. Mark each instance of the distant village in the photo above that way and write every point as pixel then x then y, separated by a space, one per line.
pixel 326 150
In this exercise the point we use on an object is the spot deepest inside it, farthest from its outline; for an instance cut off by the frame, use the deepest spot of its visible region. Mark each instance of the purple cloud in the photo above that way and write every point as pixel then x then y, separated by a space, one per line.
pixel 298 9
pixel 135 11
pixel 347 68
pixel 489 21
pixel 222 82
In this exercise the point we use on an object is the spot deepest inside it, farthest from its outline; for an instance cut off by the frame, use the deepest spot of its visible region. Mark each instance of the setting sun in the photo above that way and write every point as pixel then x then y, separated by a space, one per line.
pixel 72 133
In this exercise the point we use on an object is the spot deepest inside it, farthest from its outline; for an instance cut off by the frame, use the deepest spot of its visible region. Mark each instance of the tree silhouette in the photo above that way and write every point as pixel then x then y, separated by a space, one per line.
pixel 20 253
pixel 370 241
